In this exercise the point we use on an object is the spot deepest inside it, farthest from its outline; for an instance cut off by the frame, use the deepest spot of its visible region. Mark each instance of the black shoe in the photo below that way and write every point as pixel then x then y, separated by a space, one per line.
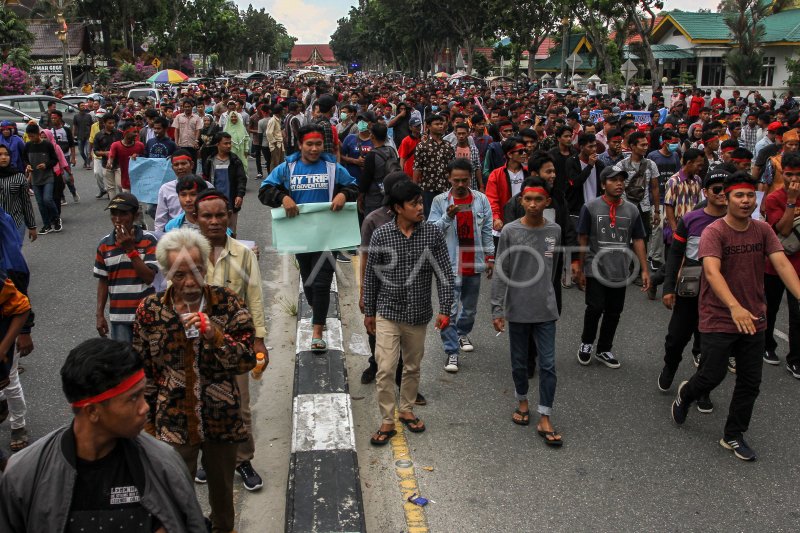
pixel 420 400
pixel 739 448
pixel 101 194
pixel 608 359
pixel 705 405
pixel 341 257
pixel 771 358
pixel 200 476
pixel 368 375
pixel 793 369
pixel 44 230
pixel 451 365
pixel 252 481
pixel 680 409
pixel 57 226
pixel 665 378
pixel 585 354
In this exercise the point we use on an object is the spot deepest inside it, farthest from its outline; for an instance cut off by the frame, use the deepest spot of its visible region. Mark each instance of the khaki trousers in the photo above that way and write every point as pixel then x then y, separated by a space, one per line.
pixel 391 338
pixel 219 462
pixel 248 447
pixel 113 181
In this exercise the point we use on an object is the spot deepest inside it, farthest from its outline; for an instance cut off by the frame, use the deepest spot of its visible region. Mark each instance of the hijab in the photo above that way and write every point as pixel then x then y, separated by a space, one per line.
pixel 238 134
pixel 9 170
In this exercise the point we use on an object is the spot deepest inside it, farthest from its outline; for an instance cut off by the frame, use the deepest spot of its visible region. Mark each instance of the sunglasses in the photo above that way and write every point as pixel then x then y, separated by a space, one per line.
pixel 716 189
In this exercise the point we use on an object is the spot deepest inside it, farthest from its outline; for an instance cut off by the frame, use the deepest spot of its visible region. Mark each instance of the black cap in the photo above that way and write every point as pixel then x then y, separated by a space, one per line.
pixel 717 175
pixel 392 179
pixel 610 172
pixel 369 116
pixel 124 201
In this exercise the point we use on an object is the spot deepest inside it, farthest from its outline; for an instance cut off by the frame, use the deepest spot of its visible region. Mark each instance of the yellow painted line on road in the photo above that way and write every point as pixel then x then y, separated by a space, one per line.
pixel 416 520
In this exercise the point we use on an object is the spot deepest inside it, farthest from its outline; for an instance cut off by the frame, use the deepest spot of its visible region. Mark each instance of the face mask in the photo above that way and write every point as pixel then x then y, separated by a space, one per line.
pixel 434 108
pixel 673 147
pixel 342 116
pixel 362 126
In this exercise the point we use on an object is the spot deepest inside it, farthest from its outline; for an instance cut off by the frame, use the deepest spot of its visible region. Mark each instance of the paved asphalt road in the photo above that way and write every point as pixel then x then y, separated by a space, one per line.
pixel 624 465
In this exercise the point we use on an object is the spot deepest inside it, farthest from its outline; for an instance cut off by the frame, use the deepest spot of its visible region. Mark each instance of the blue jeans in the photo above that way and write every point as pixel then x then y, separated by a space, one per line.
pixel 122 331
pixel 466 290
pixel 427 201
pixel 544 333
pixel 83 149
pixel 47 207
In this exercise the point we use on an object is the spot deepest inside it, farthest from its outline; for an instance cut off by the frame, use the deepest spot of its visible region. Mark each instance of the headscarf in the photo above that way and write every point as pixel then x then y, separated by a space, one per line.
pixel 62 161
pixel 10 170
pixel 14 145
pixel 239 136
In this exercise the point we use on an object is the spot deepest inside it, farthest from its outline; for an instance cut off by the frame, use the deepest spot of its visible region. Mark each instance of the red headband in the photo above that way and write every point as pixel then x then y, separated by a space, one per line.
pixel 124 386
pixel 711 140
pixel 540 190
pixel 743 185
pixel 741 160
pixel 182 158
pixel 212 197
pixel 616 138
pixel 312 135
pixel 518 147
pixel 131 129
pixel 728 149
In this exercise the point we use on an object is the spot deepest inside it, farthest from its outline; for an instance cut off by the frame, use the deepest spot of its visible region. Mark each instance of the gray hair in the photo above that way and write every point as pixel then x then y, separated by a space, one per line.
pixel 182 239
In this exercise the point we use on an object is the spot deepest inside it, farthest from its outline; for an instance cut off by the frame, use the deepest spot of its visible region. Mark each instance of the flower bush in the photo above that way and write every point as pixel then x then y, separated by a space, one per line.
pixel 13 80
pixel 130 72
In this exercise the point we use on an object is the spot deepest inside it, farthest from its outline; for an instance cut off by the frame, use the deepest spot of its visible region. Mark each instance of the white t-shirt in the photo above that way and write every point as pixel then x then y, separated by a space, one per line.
pixel 516 181
pixel 590 185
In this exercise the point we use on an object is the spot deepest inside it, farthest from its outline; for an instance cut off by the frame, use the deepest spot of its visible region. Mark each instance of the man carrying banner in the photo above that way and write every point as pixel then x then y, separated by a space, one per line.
pixel 308 177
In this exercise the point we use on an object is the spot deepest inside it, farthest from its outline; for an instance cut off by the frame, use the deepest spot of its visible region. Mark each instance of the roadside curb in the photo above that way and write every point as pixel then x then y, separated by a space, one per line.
pixel 324 488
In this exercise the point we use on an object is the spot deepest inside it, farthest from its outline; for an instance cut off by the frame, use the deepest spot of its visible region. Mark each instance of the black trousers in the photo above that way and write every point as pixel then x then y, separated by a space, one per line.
pixel 774 289
pixel 316 271
pixel 682 325
pixel 255 150
pixel 606 303
pixel 749 352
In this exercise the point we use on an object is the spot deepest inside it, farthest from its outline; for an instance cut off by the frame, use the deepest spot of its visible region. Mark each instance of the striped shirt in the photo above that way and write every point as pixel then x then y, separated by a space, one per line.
pixel 125 288
pixel 16 201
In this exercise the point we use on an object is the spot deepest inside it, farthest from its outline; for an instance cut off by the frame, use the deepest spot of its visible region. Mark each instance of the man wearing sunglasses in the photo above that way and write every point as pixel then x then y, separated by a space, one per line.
pixel 506 181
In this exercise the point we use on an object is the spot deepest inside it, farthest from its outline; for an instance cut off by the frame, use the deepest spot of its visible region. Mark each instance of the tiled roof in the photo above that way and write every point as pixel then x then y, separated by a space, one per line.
pixel 46 43
pixel 783 26
pixel 302 53
pixel 633 35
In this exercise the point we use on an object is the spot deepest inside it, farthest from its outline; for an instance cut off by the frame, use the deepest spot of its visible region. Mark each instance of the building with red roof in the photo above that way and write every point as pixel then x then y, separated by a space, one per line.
pixel 306 55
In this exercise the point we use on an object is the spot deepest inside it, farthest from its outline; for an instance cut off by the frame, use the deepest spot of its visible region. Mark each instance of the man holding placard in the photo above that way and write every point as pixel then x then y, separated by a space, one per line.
pixel 309 177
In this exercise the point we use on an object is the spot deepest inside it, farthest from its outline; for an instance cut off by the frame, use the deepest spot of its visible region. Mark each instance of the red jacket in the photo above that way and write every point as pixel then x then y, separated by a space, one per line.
pixel 498 190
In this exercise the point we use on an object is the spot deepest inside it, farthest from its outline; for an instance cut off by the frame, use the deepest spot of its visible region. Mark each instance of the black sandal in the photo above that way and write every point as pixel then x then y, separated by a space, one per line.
pixel 526 417
pixel 416 421
pixel 550 441
pixel 382 442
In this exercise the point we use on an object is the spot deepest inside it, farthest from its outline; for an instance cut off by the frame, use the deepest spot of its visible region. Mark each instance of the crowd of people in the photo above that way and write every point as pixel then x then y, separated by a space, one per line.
pixel 537 191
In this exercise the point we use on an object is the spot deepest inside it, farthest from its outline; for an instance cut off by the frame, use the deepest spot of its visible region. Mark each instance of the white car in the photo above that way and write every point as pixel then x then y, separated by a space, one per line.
pixel 18 117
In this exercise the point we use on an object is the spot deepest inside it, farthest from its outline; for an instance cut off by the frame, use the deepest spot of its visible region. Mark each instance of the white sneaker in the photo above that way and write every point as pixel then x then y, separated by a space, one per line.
pixel 452 363
pixel 465 344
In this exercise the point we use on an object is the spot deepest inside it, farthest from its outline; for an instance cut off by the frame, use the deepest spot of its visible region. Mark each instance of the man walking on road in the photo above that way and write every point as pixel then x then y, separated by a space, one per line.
pixel 431 157
pixel 733 307
pixel 81 127
pixel 464 216
pixel 187 129
pixel 404 255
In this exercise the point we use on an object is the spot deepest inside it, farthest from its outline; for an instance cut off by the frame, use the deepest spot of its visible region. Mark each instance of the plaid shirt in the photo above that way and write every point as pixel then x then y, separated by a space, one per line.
pixel 397 282
pixel 431 159
pixel 749 138
pixel 330 141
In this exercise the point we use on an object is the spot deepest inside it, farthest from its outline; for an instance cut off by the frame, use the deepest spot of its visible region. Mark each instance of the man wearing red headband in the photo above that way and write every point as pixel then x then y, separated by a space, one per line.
pixel 115 477
pixel 120 155
pixel 733 309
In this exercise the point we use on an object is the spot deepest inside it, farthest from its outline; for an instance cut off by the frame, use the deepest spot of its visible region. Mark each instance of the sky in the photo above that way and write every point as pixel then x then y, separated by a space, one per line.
pixel 313 21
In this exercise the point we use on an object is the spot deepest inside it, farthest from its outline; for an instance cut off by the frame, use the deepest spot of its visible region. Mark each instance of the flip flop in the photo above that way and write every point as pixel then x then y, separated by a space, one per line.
pixel 550 442
pixel 319 346
pixel 526 418
pixel 416 421
pixel 382 442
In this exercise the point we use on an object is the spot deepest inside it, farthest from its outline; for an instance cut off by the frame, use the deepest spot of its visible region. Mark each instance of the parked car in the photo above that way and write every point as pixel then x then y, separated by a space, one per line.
pixel 145 92
pixel 36 105
pixel 18 117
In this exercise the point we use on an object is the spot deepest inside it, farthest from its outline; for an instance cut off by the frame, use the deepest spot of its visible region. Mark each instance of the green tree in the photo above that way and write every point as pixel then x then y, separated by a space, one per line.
pixel 526 24
pixel 481 65
pixel 642 15
pixel 744 19
pixel 16 40
pixel 598 18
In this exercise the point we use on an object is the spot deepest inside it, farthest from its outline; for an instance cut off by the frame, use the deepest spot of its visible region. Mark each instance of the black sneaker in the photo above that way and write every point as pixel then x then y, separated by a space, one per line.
pixel 452 363
pixel 679 408
pixel 696 359
pixel 608 359
pixel 44 230
pixel 739 448
pixel 57 226
pixel 368 375
pixel 732 365
pixel 771 358
pixel 793 369
pixel 101 194
pixel 200 476
pixel 665 378
pixel 585 354
pixel 465 344
pixel 705 405
pixel 341 257
pixel 250 478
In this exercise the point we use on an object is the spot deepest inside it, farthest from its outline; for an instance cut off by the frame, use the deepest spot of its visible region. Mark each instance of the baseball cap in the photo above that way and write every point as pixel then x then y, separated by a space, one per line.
pixel 369 116
pixel 774 126
pixel 392 179
pixel 611 171
pixel 124 201
pixel 415 121
pixel 717 175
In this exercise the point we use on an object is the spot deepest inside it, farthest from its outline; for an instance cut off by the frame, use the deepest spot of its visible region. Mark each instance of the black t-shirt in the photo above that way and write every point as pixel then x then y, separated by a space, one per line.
pixel 765 153
pixel 106 498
